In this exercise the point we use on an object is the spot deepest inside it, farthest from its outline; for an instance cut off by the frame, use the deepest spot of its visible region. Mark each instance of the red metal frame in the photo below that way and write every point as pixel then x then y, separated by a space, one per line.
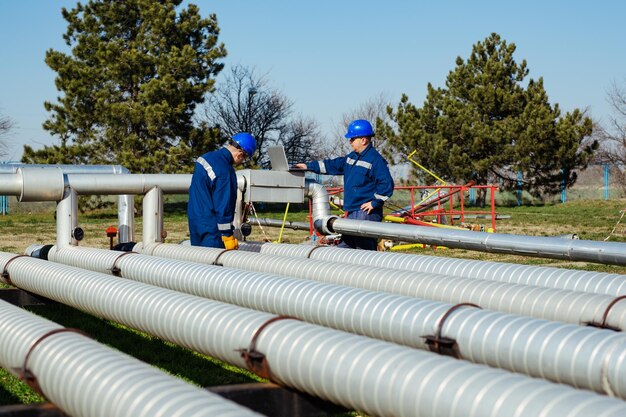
pixel 417 213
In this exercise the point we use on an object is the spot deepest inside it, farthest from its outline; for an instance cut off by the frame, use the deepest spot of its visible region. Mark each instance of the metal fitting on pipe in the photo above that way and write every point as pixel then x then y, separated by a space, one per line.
pixel 40 184
pixel 320 207
pixel 324 225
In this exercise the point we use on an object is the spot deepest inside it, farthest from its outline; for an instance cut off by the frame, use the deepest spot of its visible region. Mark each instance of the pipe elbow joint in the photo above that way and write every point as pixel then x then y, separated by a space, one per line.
pixel 324 225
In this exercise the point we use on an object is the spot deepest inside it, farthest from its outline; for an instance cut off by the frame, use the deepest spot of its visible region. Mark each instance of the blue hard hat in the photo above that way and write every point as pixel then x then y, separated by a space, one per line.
pixel 359 128
pixel 246 141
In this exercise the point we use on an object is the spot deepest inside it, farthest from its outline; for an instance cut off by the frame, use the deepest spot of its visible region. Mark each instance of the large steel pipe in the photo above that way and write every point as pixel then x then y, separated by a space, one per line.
pixel 85 378
pixel 536 347
pixel 544 303
pixel 125 203
pixel 110 184
pixel 550 277
pixel 545 247
pixel 376 377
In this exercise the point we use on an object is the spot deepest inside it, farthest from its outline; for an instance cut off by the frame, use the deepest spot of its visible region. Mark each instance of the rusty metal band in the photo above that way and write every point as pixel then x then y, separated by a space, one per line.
pixel 25 374
pixel 216 261
pixel 603 324
pixel 255 360
pixel 445 345
pixel 308 255
pixel 5 272
pixel 115 270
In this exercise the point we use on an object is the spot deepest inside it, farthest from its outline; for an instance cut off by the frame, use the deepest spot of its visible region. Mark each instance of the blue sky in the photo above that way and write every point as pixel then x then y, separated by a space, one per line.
pixel 330 56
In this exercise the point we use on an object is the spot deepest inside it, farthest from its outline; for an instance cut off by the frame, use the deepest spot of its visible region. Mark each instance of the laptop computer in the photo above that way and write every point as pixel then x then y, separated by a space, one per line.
pixel 278 159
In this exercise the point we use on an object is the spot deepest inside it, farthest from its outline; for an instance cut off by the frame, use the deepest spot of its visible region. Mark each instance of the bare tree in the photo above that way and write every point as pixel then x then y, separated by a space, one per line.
pixel 244 102
pixel 612 137
pixel 301 140
pixel 6 125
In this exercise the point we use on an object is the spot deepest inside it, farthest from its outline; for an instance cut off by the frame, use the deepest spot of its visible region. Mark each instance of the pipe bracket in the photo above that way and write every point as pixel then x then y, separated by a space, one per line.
pixel 255 360
pixel 445 345
pixel 5 272
pixel 26 374
pixel 603 324
pixel 216 261
pixel 116 270
pixel 308 255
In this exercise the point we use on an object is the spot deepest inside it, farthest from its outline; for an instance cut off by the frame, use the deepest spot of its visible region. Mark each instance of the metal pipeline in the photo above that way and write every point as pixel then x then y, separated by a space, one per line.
pixel 125 203
pixel 376 377
pixel 264 221
pixel 541 276
pixel 547 303
pixel 320 207
pixel 85 378
pixel 542 348
pixel 545 247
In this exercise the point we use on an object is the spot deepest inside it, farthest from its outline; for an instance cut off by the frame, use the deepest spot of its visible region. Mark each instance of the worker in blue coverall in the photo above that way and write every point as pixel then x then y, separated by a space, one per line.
pixel 367 181
pixel 213 193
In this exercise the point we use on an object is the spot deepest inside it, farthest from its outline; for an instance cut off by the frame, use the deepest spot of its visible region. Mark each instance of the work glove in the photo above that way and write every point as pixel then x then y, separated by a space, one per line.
pixel 230 242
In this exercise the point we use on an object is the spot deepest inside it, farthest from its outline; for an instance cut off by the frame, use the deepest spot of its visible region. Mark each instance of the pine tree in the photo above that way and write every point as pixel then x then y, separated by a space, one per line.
pixel 487 125
pixel 136 72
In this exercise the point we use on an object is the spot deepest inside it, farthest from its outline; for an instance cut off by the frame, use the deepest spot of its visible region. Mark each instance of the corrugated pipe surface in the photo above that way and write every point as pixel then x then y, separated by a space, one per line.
pixel 521 344
pixel 567 279
pixel 84 378
pixel 376 377
pixel 545 247
pixel 540 302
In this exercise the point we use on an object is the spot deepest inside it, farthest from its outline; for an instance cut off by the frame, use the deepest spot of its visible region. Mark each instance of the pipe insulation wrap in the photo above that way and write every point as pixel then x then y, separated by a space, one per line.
pixel 521 344
pixel 319 199
pixel 546 247
pixel 125 203
pixel 539 302
pixel 542 276
pixel 84 378
pixel 41 184
pixel 376 377
pixel 112 184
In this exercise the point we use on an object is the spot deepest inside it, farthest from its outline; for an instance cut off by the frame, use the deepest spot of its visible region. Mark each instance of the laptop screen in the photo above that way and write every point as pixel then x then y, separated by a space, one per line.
pixel 278 159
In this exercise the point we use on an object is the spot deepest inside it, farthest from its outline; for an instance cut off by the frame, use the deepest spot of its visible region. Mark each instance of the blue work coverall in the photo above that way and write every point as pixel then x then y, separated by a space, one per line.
pixel 212 199
pixel 366 178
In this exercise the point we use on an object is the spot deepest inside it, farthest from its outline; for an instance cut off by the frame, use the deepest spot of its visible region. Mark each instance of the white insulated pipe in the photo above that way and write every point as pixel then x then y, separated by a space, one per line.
pixel 87 379
pixel 541 276
pixel 138 184
pixel 539 302
pixel 520 344
pixel 375 377
pixel 152 185
pixel 545 247
pixel 125 203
